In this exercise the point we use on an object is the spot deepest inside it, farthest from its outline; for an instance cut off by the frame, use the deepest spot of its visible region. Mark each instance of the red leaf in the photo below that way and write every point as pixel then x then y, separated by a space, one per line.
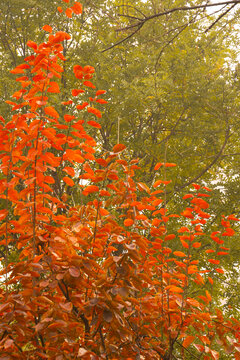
pixel 158 165
pixel 32 45
pixel 174 288
pixel 68 181
pixel 183 229
pixel 100 92
pixel 76 92
pixel 74 272
pixel 189 339
pixel 8 343
pixel 107 315
pixel 82 106
pixel 118 148
pixel 89 84
pixel 50 111
pixel 187 196
pixel 53 88
pixel 69 12
pixel 90 189
pixel 77 8
pixel 214 261
pixel 94 124
pixel 82 351
pixel 179 253
pixel 101 101
pixel 94 111
pixel 66 306
pixel 69 118
pixel 70 171
pixel 128 222
pixel 169 165
pixel 220 271
pixel 47 28
pixel 196 245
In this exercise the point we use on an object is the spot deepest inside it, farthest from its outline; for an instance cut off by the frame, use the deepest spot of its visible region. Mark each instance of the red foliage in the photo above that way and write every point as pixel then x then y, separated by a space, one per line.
pixel 95 279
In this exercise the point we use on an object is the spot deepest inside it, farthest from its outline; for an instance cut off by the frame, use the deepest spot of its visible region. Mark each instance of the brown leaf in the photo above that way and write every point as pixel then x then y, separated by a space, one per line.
pixel 107 315
pixel 82 351
pixel 66 306
pixel 74 272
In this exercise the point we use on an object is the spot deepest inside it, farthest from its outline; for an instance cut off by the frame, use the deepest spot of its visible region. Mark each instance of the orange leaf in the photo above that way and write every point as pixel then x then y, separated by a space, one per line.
pixel 68 181
pixel 66 306
pixel 169 165
pixel 102 101
pixel 170 237
pixel 3 214
pixel 69 118
pixel 70 171
pixel 76 92
pixel 50 111
pixel 90 189
pixel 213 261
pixel 179 253
pixel 47 28
pixel 158 165
pixel 128 222
pixel 69 12
pixel 82 106
pixel 228 232
pixel 32 45
pixel 94 111
pixel 77 8
pixel 174 288
pixel 53 88
pixel 208 296
pixel 118 148
pixel 73 271
pixel 183 229
pixel 189 339
pixel 196 245
pixel 220 271
pixel 89 84
pixel 187 196
pixel 94 124
pixel 184 244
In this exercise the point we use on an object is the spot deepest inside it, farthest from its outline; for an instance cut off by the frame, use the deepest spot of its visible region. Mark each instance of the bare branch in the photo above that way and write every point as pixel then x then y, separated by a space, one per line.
pixel 142 21
pixel 180 8
pixel 219 17
pixel 126 38
pixel 219 154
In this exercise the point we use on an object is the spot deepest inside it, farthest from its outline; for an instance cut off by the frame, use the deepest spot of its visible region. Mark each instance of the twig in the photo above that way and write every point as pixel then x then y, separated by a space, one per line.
pixel 219 17
pixel 126 38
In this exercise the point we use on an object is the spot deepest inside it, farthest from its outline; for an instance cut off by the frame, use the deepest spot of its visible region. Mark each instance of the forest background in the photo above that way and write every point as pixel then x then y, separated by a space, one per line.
pixel 173 92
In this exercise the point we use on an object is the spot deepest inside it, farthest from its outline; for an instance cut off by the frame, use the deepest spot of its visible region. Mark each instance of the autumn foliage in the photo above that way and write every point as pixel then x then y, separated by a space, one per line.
pixel 101 270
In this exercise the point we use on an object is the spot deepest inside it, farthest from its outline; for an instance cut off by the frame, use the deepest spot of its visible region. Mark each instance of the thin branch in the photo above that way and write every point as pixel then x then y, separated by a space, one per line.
pixel 219 17
pixel 219 154
pixel 173 128
pixel 142 21
pixel 194 356
pixel 180 8
pixel 126 38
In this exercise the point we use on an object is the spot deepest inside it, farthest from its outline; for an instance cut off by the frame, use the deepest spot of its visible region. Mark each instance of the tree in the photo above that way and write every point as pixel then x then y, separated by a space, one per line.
pixel 177 91
pixel 102 269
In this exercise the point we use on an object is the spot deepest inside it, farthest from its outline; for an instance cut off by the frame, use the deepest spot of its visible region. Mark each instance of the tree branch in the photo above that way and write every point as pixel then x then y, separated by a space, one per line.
pixel 219 17
pixel 227 135
pixel 142 21
pixel 180 8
